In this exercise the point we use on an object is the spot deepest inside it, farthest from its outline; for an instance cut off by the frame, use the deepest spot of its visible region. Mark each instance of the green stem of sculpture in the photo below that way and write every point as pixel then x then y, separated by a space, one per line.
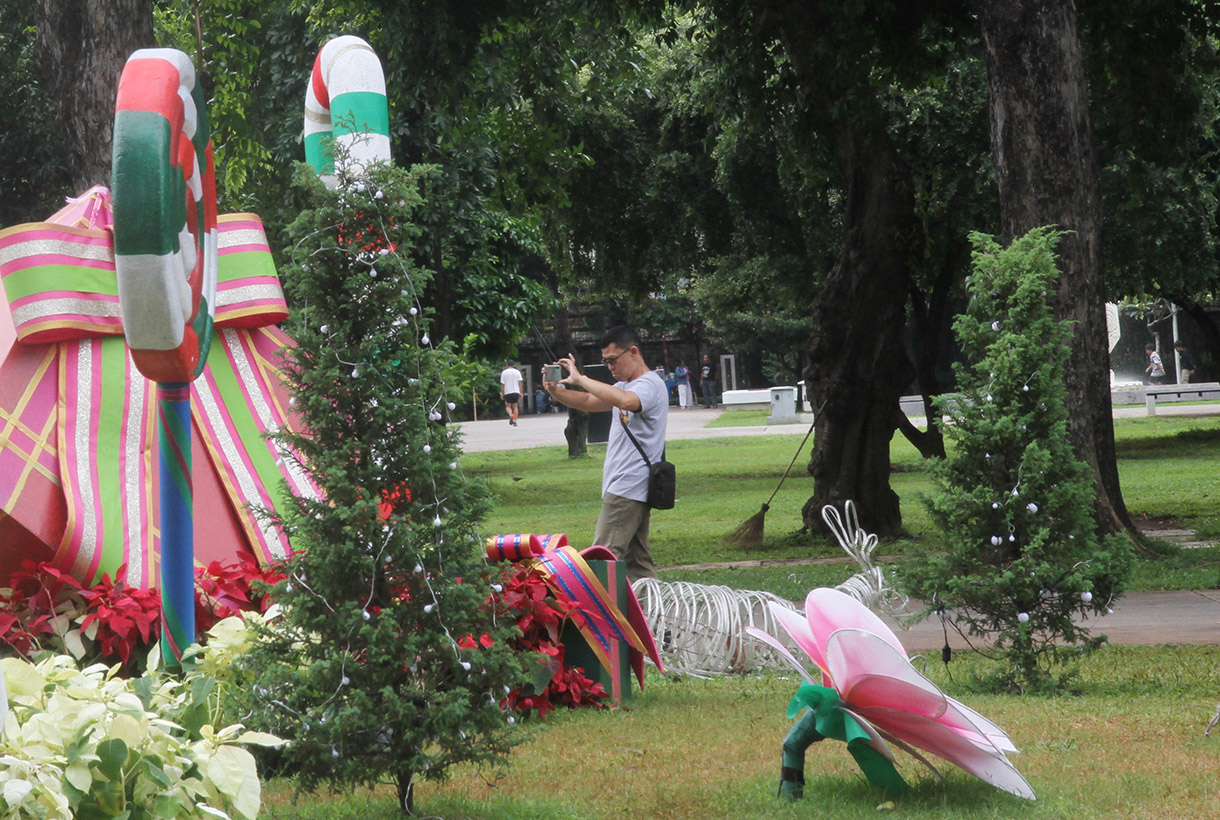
pixel 800 737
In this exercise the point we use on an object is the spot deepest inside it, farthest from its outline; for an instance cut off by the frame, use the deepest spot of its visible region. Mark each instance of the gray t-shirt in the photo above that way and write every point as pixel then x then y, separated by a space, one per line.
pixel 625 473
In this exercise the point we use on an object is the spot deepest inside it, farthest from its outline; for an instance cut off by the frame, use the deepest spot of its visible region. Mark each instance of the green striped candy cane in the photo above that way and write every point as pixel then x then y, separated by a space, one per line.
pixel 345 105
pixel 165 255
pixel 165 235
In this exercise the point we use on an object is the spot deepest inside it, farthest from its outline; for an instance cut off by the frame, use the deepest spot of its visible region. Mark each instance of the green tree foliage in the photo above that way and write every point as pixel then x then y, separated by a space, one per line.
pixel 34 176
pixel 466 94
pixel 235 62
pixel 1155 78
pixel 365 673
pixel 1022 558
pixel 1155 81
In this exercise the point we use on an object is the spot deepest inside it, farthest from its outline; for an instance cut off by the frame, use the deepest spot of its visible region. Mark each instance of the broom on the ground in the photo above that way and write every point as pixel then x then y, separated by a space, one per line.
pixel 749 533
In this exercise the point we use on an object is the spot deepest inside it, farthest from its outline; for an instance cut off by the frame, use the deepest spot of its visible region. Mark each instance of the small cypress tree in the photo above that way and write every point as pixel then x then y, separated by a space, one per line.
pixel 389 662
pixel 1022 557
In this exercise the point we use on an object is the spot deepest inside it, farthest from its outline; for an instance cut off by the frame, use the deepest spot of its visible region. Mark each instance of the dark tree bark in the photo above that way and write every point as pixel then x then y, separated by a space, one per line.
pixel 576 431
pixel 82 47
pixel 1207 327
pixel 406 794
pixel 858 366
pixel 1046 172
pixel 929 315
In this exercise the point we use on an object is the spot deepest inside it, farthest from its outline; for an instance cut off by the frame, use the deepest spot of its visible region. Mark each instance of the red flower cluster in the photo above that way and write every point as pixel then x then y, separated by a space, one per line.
pixel 127 618
pixel 222 590
pixel 468 641
pixel 29 612
pixel 44 605
pixel 540 611
pixel 362 233
pixel 391 499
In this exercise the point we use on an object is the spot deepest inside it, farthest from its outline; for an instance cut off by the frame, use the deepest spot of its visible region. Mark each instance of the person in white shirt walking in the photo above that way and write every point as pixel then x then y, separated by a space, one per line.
pixel 510 390
pixel 1155 368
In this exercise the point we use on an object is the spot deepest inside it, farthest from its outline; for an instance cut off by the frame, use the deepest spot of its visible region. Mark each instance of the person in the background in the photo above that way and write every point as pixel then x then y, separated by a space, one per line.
pixel 1155 368
pixel 1186 363
pixel 707 382
pixel 510 390
pixel 542 401
pixel 640 402
pixel 682 376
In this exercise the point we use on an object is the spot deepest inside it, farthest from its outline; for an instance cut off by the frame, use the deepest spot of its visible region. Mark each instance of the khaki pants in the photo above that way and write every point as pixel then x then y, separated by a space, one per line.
pixel 622 527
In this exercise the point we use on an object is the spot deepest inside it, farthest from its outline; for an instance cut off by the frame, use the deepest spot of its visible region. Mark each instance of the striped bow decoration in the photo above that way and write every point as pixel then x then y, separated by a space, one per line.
pixel 77 420
pixel 600 620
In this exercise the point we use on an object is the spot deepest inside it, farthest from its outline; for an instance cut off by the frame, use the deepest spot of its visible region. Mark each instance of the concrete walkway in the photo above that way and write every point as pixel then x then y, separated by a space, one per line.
pixel 546 430
pixel 1181 617
pixel 1140 618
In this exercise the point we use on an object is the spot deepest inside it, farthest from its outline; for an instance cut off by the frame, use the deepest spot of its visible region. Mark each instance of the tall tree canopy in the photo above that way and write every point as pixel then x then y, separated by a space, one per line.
pixel 34 173
pixel 778 168
pixel 466 94
pixel 834 67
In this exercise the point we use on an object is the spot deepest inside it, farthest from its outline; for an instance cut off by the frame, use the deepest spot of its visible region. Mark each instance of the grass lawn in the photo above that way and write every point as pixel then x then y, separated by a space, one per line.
pixel 748 418
pixel 1167 466
pixel 1130 746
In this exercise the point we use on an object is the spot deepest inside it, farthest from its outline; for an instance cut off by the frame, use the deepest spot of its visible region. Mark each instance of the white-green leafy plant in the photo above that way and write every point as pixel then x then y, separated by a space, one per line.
pixel 86 744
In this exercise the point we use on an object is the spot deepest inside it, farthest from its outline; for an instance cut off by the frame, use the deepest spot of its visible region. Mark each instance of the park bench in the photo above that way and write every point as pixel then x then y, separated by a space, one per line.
pixel 1204 391
pixel 746 399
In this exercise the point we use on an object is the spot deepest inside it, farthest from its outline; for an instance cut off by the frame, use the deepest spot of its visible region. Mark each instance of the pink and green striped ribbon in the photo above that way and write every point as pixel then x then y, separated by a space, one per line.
pixel 602 622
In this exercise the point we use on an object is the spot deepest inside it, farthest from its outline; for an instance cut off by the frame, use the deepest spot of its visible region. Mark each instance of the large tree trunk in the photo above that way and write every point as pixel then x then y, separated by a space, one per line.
pixel 929 315
pixel 1207 327
pixel 858 366
pixel 82 47
pixel 576 431
pixel 1046 171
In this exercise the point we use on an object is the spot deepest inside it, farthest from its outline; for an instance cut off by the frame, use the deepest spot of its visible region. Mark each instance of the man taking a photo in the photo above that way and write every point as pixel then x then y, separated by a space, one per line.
pixel 640 402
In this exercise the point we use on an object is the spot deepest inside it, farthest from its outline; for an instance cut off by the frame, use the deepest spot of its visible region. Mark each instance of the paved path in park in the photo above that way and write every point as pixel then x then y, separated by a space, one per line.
pixel 1184 617
pixel 546 429
pixel 1144 618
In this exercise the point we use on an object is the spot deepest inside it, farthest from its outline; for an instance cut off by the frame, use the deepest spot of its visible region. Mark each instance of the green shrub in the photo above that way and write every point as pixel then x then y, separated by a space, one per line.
pixel 1022 557
pixel 371 672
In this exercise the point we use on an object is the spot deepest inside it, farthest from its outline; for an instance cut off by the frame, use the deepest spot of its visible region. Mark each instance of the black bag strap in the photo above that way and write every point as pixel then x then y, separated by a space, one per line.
pixel 635 441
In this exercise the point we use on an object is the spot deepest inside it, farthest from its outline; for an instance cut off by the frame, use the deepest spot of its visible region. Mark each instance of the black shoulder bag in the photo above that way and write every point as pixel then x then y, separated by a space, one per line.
pixel 661 477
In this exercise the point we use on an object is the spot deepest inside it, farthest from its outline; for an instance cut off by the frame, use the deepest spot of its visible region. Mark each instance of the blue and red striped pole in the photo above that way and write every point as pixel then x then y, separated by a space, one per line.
pixel 177 521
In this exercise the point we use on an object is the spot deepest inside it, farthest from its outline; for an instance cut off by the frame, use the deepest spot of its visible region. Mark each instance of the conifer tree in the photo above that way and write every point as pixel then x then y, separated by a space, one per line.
pixel 1022 562
pixel 389 662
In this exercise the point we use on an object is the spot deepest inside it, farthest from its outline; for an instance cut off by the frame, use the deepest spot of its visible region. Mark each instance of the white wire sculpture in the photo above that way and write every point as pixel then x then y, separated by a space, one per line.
pixel 700 629
pixel 868 586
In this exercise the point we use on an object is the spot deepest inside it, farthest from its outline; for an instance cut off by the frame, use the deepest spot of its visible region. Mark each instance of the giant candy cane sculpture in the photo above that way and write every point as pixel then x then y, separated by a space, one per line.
pixel 165 244
pixel 345 104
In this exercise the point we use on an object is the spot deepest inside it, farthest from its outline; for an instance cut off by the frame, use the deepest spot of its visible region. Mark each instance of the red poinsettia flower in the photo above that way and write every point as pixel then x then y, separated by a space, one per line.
pixel 540 610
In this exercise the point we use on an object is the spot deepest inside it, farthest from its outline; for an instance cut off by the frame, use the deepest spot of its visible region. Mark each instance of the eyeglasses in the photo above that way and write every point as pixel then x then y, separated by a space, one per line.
pixel 610 360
